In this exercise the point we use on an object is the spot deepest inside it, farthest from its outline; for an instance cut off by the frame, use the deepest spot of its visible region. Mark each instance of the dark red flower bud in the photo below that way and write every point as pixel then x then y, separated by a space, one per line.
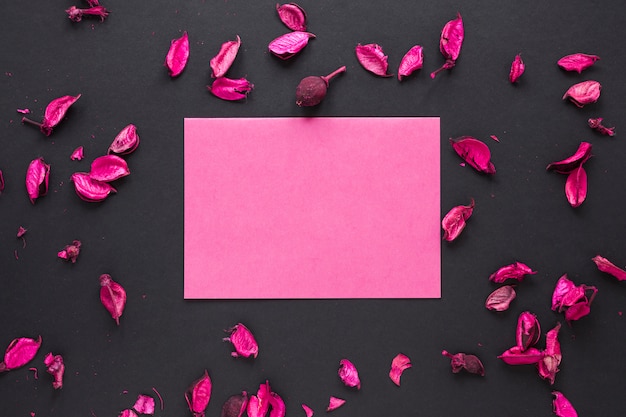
pixel 312 90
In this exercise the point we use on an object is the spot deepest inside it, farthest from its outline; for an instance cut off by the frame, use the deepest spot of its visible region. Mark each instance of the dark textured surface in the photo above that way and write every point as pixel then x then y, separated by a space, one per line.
pixel 137 235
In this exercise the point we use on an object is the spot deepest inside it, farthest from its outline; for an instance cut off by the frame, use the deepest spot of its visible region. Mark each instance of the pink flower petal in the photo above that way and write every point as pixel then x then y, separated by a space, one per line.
pixel 259 404
pixel 292 15
pixel 583 93
pixel 144 404
pixel 373 59
pixel 576 186
pixel 450 43
pixel 566 293
pixel 108 168
pixel 577 62
pixel 177 55
pixel 517 356
pixel 549 365
pixel 89 189
pixel 71 252
pixel 517 68
pixel 567 165
pixel 561 406
pixel 231 89
pixel 607 266
pixel 19 352
pixel 475 153
pixel 37 177
pixel 221 62
pixel 398 365
pixel 277 405
pixel 349 374
pixel 454 221
pixel 515 270
pixel 334 403
pixel 528 331
pixel 125 142
pixel 56 368
pixel 289 44
pixel 411 61
pixel 128 413
pixel 78 154
pixel 500 299
pixel 199 394
pixel 308 411
pixel 243 341
pixel 112 296
pixel 596 124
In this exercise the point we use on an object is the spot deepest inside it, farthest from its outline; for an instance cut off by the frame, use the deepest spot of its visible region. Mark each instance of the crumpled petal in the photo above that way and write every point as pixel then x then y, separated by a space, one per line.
pixel 549 365
pixel 567 165
pixel 108 168
pixel 89 189
pixel 144 404
pixel 334 403
pixel 56 368
pixel 450 43
pixel 577 62
pixel 37 177
pixel 462 361
pixel 128 413
pixel 70 252
pixel 517 356
pixel 583 93
pixel 373 59
pixel 292 15
pixel 235 405
pixel 411 61
pixel 399 363
pixel 289 44
pixel 596 124
pixel 220 63
pixel 55 112
pixel 607 266
pixel 576 186
pixel 243 341
pixel 259 404
pixel 528 331
pixel 112 297
pixel 455 220
pixel 126 141
pixel 500 299
pixel 517 68
pixel 231 89
pixel 199 394
pixel 349 374
pixel 19 352
pixel 178 55
pixel 517 270
pixel 566 293
pixel 78 154
pixel 561 406
pixel 475 153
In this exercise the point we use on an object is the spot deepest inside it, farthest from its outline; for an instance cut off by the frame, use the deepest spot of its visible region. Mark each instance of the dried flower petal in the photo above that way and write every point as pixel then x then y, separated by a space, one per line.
pixel 1 182
pixel 349 374
pixel 450 43
pixel 70 252
pixel 89 189
pixel 312 90
pixel 475 153
pixel 76 14
pixel 78 154
pixel 144 404
pixel 454 221
pixel 398 365
pixel 577 311
pixel 517 356
pixel 561 406
pixel 21 231
pixel 567 165
pixel 277 405
pixel 586 92
pixel 373 59
pixel 243 341
pixel 515 270
pixel 37 177
pixel 19 352
pixel 128 413
pixel 55 112
pixel 528 330
pixel 125 142
pixel 566 293
pixel 221 62
pixel 500 299
pixel 607 266
pixel 334 403
pixel 231 89
pixel 411 61
pixel 517 68
pixel 308 411
pixel 259 404
pixel 178 55
pixel 108 168
pixel 597 125
pixel 235 405
pixel 292 15
pixel 112 296
pixel 576 186
pixel 56 368
pixel 289 44
pixel 199 394
pixel 460 361
pixel 577 62
pixel 549 365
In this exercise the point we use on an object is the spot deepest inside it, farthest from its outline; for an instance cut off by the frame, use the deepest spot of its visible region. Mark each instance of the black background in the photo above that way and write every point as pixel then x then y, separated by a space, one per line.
pixel 136 235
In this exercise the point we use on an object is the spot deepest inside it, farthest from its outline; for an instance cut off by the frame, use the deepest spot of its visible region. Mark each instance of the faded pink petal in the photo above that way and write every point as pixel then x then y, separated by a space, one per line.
pixel 475 153
pixel 19 352
pixel 561 406
pixel 334 403
pixel 500 299
pixel 289 44
pixel 231 89
pixel 450 43
pixel 112 296
pixel 144 404
pixel 125 142
pixel 515 270
pixel 577 62
pixel 411 61
pixel 586 92
pixel 567 165
pixel 398 365
pixel 528 330
pixel 549 365
pixel 349 374
pixel 243 341
pixel 235 405
pixel 259 404
pixel 292 15
pixel 308 411
pixel 517 68
pixel 576 186
pixel 89 189
pixel 596 124
pixel 373 59
pixel 454 221
pixel 517 356
pixel 177 55
pixel 56 368
pixel 55 112
pixel 607 266
pixel 221 62
pixel 70 252
pixel 199 394
pixel 37 177
pixel 78 154
pixel 462 361
pixel 108 168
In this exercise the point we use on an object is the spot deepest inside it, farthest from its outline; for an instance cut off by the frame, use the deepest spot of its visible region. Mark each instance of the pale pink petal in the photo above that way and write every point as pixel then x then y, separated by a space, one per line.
pixel 373 59
pixel 289 44
pixel 398 365
pixel 221 62
pixel 411 61
pixel 583 93
pixel 455 220
pixel 126 141
pixel 500 299
pixel 144 404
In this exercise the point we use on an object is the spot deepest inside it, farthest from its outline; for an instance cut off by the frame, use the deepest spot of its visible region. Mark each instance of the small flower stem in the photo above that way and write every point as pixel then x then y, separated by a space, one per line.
pixel 332 75
pixel 32 122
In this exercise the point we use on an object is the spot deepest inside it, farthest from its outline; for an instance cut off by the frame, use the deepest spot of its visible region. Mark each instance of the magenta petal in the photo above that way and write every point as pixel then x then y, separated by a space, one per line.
pixel 500 299
pixel 37 177
pixel 577 311
pixel 450 43
pixel 19 352
pixel 259 404
pixel 576 186
pixel 243 341
pixel 586 92
pixel 177 55
pixel 221 62
pixel 549 365
pixel 56 368
pixel 455 220
pixel 411 61
pixel 112 297
pixel 475 153
pixel 334 403
pixel 89 189
pixel 373 59
pixel 78 154
pixel 292 15
pixel 289 44
pixel 144 404
pixel 562 407
pixel 517 68
pixel 577 62
pixel 108 168
pixel 308 411
pixel 398 365
pixel 515 270
pixel 231 89
pixel 199 394
pixel 277 405
pixel 517 356
pixel 125 142
pixel 349 374
pixel 607 266
pixel 55 111
pixel 128 413
pixel 528 330
pixel 596 124
pixel 567 165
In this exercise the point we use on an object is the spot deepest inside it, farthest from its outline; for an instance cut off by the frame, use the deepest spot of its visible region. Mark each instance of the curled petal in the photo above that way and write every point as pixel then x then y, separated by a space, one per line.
pixel 349 374
pixel 475 153
pixel 576 186
pixel 259 404
pixel 108 168
pixel 199 394
pixel 231 89
pixel 607 266
pixel 177 55
pixel 411 61
pixel 292 15
pixel 586 92
pixel 334 403
pixel 89 189
pixel 549 365
pixel 596 124
pixel 398 365
pixel 112 296
pixel 373 59
pixel 56 368
pixel 289 44
pixel 515 270
pixel 55 112
pixel 221 62
pixel 517 356
pixel 308 411
pixel 455 220
pixel 500 299
pixel 517 68
pixel 567 165
pixel 37 177
pixel 19 352
pixel 277 405
pixel 243 341
pixel 562 407
pixel 70 252
pixel 450 43
pixel 566 293
pixel 577 62
pixel 528 330
pixel 125 142
pixel 144 404
pixel 462 361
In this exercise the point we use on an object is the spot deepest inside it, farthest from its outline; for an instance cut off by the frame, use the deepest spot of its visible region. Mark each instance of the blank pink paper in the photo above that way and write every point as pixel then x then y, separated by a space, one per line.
pixel 311 208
